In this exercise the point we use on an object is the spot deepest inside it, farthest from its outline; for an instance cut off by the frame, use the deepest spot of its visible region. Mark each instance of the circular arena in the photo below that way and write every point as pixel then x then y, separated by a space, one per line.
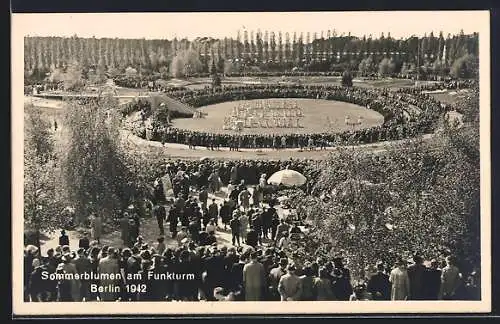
pixel 285 117
pixel 317 116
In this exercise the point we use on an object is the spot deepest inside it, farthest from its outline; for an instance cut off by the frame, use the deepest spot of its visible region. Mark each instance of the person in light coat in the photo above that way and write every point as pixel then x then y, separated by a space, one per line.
pixel 450 279
pixel 253 279
pixel 96 227
pixel 109 265
pixel 400 282
pixel 290 285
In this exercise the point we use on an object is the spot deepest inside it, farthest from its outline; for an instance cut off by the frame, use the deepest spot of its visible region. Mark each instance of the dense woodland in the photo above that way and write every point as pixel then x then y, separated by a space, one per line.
pixel 253 51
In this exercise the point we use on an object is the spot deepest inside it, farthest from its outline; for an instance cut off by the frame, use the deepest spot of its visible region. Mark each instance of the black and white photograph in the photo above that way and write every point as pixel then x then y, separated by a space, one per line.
pixel 251 162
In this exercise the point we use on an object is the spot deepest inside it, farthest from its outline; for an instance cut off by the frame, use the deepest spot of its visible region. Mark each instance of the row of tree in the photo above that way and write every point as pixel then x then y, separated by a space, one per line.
pixel 266 50
pixel 187 63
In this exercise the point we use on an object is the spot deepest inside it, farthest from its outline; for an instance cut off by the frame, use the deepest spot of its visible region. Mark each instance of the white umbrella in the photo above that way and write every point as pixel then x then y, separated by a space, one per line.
pixel 287 178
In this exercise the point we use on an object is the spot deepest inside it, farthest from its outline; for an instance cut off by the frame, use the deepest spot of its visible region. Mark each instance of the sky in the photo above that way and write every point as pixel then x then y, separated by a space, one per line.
pixel 219 25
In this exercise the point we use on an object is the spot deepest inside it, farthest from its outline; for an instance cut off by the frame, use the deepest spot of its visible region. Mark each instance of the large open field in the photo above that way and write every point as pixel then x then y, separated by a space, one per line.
pixel 319 116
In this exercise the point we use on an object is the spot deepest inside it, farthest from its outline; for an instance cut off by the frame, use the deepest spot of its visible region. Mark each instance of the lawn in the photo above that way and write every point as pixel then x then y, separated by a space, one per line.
pixel 319 116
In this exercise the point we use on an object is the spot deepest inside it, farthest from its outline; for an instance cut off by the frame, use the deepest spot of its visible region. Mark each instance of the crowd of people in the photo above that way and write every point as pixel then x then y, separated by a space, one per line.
pixel 405 115
pixel 192 262
pixel 198 267
pixel 208 172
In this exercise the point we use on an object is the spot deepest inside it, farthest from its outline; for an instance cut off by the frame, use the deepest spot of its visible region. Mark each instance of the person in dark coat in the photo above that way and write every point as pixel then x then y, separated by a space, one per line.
pixel 133 230
pixel 83 266
pixel 379 285
pixel 63 239
pixel 194 229
pixel 339 264
pixel 416 275
pixel 38 287
pixel 160 215
pixel 257 226
pixel 159 194
pixel 252 238
pixel 213 211
pixel 125 229
pixel 173 220
pixel 235 229
pixel 147 294
pixel 274 226
pixel 342 288
pixel 432 281
pixel 236 283
pixel 267 219
pixel 84 242
pixel 225 213
pixel 203 197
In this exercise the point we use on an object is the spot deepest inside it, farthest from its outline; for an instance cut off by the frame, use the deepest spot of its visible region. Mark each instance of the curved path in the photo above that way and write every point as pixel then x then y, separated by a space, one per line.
pixel 181 151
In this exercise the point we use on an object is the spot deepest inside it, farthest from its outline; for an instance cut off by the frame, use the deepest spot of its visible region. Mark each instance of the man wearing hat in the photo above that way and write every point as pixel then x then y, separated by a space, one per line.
pixel 378 284
pixel 253 279
pixel 432 280
pixel 160 215
pixel 338 262
pixel 84 242
pixel 203 197
pixel 400 281
pixel 63 239
pixel 96 227
pixel 83 266
pixel 274 278
pixel 69 267
pixel 235 228
pixel 64 291
pixel 225 213
pixel 173 220
pixel 125 229
pixel 109 265
pixel 213 211
pixel 290 285
pixel 342 287
pixel 133 229
pixel 416 275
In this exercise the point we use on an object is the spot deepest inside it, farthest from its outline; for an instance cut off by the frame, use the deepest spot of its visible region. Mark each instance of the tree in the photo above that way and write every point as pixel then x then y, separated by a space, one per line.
pixel 437 66
pixel 465 67
pixel 41 206
pixel 95 177
pixel 100 72
pixel 130 72
pixel 366 65
pixel 56 75
pixel 231 67
pixel 347 79
pixel 417 196
pixel 216 81
pixel 113 72
pixel 73 79
pixel 185 63
pixel 386 67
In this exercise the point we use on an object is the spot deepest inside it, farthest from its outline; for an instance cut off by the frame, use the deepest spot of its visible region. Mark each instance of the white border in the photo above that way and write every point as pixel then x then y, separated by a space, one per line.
pixel 303 307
